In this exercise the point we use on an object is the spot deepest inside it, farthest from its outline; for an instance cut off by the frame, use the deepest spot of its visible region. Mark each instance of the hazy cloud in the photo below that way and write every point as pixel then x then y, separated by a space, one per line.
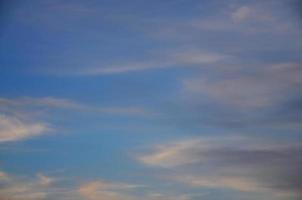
pixel 172 58
pixel 61 103
pixel 17 188
pixel 106 190
pixel 241 14
pixel 18 120
pixel 121 191
pixel 240 164
pixel 13 129
pixel 263 87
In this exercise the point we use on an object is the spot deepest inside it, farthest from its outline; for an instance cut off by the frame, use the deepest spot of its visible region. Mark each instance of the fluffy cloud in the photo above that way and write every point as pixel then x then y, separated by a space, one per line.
pixel 239 164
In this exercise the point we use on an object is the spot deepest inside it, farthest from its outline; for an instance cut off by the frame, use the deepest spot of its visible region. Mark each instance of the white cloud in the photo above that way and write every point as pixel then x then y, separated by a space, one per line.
pixel 254 18
pixel 43 187
pixel 17 188
pixel 13 129
pixel 3 176
pixel 172 155
pixel 241 13
pixel 121 191
pixel 194 56
pixel 45 180
pixel 242 92
pixel 240 164
pixel 185 152
pixel 117 69
pixel 170 59
pixel 108 191
pixel 18 117
pixel 264 87
pixel 242 184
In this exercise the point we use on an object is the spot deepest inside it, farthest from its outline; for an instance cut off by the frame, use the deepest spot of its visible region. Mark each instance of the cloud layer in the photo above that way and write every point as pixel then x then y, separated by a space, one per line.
pixel 18 188
pixel 42 187
pixel 19 118
pixel 240 164
pixel 180 76
pixel 260 88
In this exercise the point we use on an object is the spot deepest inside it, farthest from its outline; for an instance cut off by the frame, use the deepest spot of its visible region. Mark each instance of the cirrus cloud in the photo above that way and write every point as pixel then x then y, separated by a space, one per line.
pixel 240 164
pixel 14 129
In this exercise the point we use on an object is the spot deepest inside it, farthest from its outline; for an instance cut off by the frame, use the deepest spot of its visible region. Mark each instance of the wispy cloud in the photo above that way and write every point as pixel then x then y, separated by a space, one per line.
pixel 121 191
pixel 244 21
pixel 240 164
pixel 61 103
pixel 260 97
pixel 43 187
pixel 263 87
pixel 241 13
pixel 17 188
pixel 18 120
pixel 106 190
pixel 172 155
pixel 247 18
pixel 13 128
pixel 190 57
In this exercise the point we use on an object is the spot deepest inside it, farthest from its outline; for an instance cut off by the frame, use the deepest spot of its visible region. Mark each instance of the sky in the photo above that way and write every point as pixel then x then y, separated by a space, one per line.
pixel 150 100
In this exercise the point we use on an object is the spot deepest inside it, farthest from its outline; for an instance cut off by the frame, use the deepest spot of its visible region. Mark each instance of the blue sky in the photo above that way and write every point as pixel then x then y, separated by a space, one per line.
pixel 153 100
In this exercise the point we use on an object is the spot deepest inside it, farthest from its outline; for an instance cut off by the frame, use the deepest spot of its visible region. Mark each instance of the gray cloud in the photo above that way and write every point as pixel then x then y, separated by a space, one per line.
pixel 261 97
pixel 240 164
pixel 263 87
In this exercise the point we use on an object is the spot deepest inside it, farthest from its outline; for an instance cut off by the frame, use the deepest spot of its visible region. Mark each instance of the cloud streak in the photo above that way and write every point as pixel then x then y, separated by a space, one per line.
pixel 61 103
pixel 18 119
pixel 173 59
pixel 261 88
pixel 108 191
pixel 14 129
pixel 238 164
pixel 17 188
pixel 42 187
pixel 121 191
